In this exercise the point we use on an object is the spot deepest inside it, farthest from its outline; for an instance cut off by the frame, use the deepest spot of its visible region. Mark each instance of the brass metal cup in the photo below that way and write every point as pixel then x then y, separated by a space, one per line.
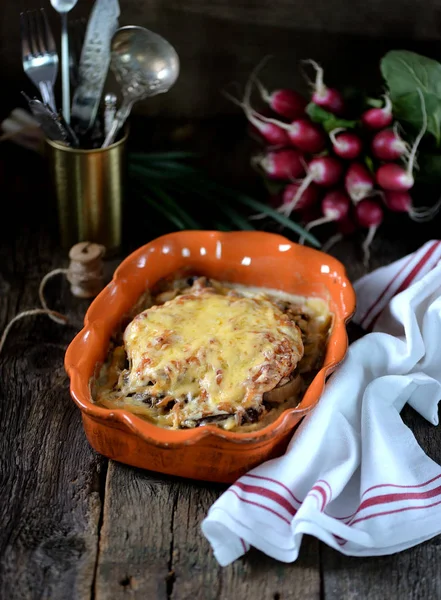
pixel 89 191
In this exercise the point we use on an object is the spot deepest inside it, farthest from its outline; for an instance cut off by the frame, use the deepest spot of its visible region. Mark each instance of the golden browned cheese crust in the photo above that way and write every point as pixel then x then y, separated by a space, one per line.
pixel 206 353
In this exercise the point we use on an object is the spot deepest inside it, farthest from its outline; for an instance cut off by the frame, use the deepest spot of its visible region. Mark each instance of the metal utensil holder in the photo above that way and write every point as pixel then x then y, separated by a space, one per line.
pixel 89 190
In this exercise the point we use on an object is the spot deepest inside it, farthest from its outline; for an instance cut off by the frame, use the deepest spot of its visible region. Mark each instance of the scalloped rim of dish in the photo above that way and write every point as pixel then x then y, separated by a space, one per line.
pixel 80 390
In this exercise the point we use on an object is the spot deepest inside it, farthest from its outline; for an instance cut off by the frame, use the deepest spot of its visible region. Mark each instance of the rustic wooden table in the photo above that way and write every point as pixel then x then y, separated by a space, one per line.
pixel 75 525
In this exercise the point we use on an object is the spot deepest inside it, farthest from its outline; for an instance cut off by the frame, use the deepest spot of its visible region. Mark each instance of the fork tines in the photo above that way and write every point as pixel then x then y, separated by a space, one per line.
pixel 36 35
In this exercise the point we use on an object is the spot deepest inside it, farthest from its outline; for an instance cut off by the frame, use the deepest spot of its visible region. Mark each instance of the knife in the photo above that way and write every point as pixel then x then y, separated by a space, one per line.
pixel 94 64
pixel 52 124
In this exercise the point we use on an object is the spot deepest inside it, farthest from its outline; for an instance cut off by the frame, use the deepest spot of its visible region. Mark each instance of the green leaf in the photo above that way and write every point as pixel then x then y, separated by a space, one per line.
pixel 273 187
pixel 235 217
pixel 260 207
pixel 406 72
pixel 164 170
pixel 375 102
pixel 198 183
pixel 174 207
pixel 161 209
pixel 161 156
pixel 408 108
pixel 221 226
pixel 326 119
pixel 369 163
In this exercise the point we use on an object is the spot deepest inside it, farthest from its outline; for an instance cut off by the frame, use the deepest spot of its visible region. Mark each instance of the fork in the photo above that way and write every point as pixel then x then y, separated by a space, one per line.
pixel 39 53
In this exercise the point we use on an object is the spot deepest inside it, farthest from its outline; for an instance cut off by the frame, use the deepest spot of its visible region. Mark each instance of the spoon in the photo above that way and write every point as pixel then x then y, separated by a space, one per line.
pixel 144 64
pixel 63 7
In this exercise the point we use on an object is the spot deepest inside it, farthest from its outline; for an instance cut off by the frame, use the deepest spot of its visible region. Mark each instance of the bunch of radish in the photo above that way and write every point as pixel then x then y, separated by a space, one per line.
pixel 346 175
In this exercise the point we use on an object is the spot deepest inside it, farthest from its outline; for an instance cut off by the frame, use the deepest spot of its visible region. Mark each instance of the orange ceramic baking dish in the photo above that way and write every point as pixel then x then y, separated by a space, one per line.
pixel 248 257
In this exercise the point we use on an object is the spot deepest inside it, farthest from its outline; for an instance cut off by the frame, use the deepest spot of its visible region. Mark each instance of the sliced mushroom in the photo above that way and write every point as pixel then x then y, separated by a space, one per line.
pixel 284 392
pixel 209 419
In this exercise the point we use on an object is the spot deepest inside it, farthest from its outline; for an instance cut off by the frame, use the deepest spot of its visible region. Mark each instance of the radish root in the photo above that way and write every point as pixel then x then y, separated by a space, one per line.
pixel 318 84
pixel 423 213
pixel 316 223
pixel 287 209
pixel 333 133
pixel 387 104
pixel 367 244
pixel 419 137
pixel 265 95
pixel 406 146
pixel 334 239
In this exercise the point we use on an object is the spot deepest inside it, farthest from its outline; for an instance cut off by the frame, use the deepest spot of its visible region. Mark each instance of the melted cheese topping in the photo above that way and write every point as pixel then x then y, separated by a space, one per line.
pixel 214 352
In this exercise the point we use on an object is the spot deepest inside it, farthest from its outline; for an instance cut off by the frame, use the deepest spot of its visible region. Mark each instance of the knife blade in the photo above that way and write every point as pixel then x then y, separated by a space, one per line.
pixel 94 64
pixel 52 124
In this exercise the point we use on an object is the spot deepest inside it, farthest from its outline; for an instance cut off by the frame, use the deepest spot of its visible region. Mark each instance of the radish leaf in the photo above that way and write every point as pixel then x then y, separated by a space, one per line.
pixel 407 72
pixel 327 119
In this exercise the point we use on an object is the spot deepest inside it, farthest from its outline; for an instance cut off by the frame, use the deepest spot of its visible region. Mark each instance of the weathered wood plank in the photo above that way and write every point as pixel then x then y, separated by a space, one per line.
pixel 136 535
pixel 49 476
pixel 197 575
pixel 414 574
pixel 220 41
pixel 151 547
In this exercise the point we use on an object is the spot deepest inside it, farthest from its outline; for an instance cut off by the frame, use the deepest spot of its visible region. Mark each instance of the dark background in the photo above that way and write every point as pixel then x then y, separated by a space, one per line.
pixel 220 41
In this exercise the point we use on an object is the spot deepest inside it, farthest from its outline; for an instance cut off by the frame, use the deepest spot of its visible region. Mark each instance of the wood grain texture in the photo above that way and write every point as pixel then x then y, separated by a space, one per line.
pixel 151 546
pixel 56 539
pixel 414 574
pixel 220 41
pixel 49 476
pixel 136 535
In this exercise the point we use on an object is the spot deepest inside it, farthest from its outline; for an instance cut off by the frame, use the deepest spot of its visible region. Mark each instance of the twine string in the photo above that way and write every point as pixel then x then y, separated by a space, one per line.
pixel 61 320
pixel 75 278
pixel 58 317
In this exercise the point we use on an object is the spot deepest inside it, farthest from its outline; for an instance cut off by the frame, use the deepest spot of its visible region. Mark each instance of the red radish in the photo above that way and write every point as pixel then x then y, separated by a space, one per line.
pixel 303 134
pixel 328 98
pixel 281 164
pixel 347 226
pixel 310 214
pixel 307 199
pixel 359 183
pixel 335 206
pixel 274 200
pixel 402 202
pixel 325 171
pixel 398 201
pixel 369 214
pixel 345 144
pixel 378 118
pixel 306 136
pixel 284 102
pixel 270 131
pixel 395 178
pixel 387 145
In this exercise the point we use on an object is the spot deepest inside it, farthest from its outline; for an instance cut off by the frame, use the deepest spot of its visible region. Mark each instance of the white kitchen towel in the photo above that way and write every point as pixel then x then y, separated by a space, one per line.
pixel 354 475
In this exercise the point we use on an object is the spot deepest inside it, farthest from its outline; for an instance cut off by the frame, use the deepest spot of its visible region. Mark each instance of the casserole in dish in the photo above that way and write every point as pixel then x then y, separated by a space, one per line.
pixel 203 428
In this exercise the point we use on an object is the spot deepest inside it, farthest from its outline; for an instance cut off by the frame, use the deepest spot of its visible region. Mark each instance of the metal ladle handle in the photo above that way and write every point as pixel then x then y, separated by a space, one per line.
pixel 120 118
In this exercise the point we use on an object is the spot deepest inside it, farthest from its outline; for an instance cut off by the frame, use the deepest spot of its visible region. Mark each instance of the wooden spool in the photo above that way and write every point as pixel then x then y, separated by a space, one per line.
pixel 85 273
